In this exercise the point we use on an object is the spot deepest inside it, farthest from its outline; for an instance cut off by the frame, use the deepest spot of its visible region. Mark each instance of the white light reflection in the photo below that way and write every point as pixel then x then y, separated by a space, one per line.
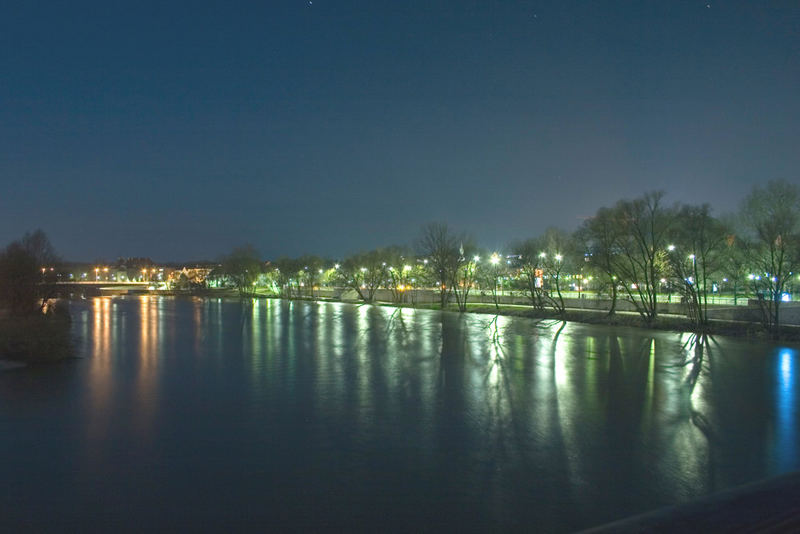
pixel 567 401
pixel 152 340
pixel 100 384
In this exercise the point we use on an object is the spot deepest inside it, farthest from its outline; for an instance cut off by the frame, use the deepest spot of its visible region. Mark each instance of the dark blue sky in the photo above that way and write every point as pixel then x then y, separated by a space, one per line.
pixel 178 131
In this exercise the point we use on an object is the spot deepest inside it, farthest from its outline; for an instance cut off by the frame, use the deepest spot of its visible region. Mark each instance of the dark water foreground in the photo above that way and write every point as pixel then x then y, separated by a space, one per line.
pixel 215 415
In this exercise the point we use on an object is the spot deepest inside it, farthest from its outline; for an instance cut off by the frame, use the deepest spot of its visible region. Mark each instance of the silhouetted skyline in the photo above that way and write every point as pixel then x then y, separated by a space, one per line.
pixel 179 131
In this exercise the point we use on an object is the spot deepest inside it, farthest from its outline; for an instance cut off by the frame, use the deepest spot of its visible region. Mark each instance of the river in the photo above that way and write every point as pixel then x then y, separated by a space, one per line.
pixel 211 414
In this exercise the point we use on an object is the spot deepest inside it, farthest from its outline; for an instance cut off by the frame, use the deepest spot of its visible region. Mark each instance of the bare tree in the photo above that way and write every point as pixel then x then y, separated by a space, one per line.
pixel 697 250
pixel 493 269
pixel 242 266
pixel 640 258
pixel 557 257
pixel 463 272
pixel 400 270
pixel 771 220
pixel 28 274
pixel 365 273
pixel 440 247
pixel 309 274
pixel 542 262
pixel 598 236
pixel 286 274
pixel 529 261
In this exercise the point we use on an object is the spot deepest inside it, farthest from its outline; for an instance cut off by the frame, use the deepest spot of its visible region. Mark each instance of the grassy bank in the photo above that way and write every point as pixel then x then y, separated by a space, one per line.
pixel 36 338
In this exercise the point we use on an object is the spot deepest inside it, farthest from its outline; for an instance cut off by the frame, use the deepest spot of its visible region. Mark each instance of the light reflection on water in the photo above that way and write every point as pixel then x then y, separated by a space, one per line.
pixel 375 415
pixel 787 446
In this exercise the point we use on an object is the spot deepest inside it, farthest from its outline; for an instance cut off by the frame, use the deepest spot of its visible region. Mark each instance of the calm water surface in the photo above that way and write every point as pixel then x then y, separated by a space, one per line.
pixel 209 414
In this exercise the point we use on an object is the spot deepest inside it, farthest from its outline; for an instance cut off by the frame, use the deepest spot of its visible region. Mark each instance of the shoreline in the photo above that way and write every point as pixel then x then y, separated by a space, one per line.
pixel 664 322
pixel 35 339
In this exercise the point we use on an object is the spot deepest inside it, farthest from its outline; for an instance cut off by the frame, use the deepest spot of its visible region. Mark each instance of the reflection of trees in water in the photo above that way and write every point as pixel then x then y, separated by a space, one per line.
pixel 497 379
pixel 495 408
pixel 697 350
pixel 692 372
pixel 523 410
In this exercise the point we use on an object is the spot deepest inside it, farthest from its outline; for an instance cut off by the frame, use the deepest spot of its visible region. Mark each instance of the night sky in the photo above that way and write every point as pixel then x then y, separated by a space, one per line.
pixel 180 131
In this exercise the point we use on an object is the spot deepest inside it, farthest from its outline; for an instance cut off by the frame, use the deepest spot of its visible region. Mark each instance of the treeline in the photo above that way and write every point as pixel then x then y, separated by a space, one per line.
pixel 31 325
pixel 634 250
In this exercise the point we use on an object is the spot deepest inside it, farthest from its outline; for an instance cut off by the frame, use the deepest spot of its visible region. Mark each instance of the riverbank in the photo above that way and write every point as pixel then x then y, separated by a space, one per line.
pixel 668 322
pixel 664 322
pixel 36 338
pixel 672 322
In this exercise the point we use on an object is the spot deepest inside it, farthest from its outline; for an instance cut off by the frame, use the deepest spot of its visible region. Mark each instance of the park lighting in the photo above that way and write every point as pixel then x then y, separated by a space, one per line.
pixel 691 257
pixel 671 248
pixel 495 259
pixel 542 255
pixel 558 257
pixel 336 266
pixel 476 258
pixel 363 269
pixel 406 268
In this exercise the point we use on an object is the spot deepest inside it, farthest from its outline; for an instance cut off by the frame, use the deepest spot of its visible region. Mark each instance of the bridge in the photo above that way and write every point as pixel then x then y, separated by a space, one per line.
pixel 104 287
pixel 132 283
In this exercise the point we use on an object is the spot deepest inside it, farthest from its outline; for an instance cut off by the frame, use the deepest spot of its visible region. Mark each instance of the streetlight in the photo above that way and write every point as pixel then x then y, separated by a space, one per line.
pixel 494 260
